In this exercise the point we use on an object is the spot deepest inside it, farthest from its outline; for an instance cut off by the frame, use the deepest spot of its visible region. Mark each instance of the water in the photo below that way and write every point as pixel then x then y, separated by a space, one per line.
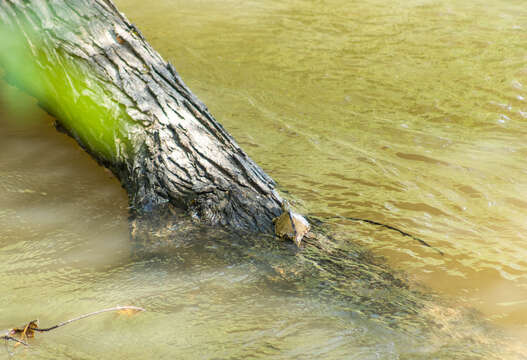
pixel 410 114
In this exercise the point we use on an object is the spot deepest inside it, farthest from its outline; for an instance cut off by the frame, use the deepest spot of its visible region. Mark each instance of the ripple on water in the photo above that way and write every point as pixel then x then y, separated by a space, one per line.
pixel 372 109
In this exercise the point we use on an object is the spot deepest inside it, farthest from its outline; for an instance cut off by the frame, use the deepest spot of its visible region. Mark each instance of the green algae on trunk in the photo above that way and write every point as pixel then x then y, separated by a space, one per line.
pixel 125 105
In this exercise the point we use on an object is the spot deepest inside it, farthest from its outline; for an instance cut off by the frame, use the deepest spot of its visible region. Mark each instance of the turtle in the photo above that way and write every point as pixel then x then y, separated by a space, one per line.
pixel 290 225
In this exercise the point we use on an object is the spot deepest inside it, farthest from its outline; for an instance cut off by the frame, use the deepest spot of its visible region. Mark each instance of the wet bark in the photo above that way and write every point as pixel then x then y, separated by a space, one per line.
pixel 110 90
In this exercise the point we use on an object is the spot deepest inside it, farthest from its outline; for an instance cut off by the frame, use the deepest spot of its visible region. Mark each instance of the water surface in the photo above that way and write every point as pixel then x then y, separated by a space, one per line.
pixel 412 113
pixel 408 113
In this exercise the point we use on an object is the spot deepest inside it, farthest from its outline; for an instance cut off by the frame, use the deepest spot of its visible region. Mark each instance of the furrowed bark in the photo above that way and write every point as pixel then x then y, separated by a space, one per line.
pixel 111 91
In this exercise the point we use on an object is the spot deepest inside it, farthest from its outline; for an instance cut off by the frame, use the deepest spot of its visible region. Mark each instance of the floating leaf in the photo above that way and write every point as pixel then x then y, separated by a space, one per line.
pixel 129 311
pixel 27 330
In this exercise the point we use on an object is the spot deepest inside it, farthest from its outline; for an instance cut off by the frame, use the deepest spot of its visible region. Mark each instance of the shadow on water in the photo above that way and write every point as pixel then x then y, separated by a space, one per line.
pixel 349 279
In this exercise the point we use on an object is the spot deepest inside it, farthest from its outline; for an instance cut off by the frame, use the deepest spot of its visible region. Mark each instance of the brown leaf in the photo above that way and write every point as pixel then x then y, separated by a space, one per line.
pixel 129 311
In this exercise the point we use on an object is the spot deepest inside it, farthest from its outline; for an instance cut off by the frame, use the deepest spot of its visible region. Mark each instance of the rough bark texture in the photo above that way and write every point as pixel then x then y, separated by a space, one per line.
pixel 150 130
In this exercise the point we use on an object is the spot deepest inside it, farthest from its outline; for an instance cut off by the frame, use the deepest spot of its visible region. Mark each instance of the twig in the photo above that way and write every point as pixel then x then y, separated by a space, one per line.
pixel 404 233
pixel 10 338
pixel 30 327
pixel 117 308
pixel 7 338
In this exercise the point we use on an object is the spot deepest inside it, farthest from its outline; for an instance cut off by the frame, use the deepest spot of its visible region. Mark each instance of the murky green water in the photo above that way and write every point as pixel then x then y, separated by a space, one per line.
pixel 408 113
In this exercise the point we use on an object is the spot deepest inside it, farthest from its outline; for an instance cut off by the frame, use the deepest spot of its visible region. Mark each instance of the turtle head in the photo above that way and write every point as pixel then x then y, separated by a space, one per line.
pixel 285 205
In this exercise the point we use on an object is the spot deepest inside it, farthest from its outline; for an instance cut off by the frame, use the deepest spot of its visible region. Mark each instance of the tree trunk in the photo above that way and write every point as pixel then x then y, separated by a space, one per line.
pixel 110 90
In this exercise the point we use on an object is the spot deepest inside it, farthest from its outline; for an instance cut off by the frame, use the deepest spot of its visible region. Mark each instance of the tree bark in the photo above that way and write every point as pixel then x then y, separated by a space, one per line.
pixel 111 91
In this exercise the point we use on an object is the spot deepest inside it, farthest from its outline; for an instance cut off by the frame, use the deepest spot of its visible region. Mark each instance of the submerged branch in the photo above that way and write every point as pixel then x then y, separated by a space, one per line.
pixel 390 227
pixel 10 338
